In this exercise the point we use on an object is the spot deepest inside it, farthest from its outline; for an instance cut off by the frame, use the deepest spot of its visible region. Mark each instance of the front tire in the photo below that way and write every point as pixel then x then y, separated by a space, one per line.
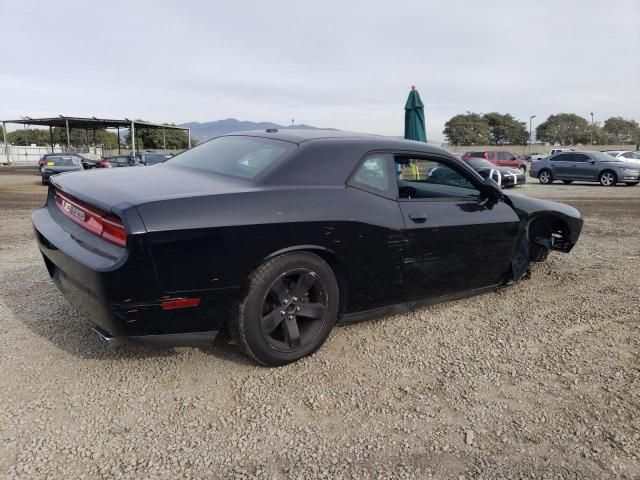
pixel 607 178
pixel 287 310
pixel 545 177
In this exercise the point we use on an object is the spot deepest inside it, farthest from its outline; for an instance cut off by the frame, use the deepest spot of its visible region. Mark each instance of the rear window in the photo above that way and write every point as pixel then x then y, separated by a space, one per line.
pixel 153 158
pixel 63 161
pixel 480 163
pixel 236 156
pixel 475 154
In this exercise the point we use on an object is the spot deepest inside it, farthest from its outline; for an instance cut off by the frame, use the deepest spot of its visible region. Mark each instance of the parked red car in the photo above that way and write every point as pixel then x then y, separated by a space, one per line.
pixel 499 157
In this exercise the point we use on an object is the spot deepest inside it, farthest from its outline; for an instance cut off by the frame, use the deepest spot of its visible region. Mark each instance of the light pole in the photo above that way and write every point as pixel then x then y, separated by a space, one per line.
pixel 591 128
pixel 530 132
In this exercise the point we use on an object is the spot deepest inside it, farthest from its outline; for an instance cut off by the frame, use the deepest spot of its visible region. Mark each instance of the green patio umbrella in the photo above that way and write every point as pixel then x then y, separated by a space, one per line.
pixel 414 126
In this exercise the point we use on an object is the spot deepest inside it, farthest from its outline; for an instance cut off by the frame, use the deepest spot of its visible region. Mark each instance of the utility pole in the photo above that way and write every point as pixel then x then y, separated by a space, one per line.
pixel 530 131
pixel 591 128
pixel 133 138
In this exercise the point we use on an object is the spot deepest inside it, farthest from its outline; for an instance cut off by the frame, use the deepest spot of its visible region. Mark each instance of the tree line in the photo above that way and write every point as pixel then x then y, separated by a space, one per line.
pixel 150 138
pixel 560 129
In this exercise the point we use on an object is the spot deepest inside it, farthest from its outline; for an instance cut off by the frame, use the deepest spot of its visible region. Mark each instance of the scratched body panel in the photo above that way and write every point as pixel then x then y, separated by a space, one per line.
pixel 192 233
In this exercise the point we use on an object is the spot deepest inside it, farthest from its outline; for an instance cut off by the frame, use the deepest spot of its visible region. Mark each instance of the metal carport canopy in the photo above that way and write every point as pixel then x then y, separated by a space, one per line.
pixel 92 123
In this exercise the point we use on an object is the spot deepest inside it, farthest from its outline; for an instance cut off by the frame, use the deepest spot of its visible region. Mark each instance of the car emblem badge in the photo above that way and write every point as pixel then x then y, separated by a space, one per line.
pixel 76 212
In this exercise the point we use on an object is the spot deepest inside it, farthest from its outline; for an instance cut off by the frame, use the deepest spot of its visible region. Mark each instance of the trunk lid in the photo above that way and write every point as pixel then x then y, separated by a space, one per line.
pixel 117 189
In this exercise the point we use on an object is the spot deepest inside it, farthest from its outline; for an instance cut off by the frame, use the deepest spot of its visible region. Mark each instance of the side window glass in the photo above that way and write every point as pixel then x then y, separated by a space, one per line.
pixel 427 178
pixel 561 157
pixel 503 156
pixel 580 158
pixel 372 173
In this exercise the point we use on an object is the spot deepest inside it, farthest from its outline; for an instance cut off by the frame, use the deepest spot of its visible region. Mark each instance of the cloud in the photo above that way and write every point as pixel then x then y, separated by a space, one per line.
pixel 332 63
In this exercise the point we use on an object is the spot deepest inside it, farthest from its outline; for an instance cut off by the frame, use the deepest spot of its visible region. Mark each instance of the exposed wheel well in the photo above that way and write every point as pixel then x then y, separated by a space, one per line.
pixel 551 232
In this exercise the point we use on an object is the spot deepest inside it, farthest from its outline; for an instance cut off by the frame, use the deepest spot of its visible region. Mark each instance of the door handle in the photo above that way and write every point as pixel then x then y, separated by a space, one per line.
pixel 418 217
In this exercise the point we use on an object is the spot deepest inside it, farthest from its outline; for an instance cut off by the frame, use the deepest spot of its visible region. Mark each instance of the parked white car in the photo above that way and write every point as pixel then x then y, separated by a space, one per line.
pixel 538 156
pixel 558 150
pixel 625 155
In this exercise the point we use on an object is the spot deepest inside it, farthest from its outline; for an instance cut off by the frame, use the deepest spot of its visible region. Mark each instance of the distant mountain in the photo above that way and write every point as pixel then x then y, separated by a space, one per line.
pixel 205 131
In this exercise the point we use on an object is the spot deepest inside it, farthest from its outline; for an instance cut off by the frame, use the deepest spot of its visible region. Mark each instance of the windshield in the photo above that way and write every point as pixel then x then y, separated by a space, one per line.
pixel 236 156
pixel 604 157
pixel 480 163
pixel 63 161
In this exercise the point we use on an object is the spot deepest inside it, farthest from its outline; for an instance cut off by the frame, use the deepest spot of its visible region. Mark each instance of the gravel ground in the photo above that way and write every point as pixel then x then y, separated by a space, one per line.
pixel 537 380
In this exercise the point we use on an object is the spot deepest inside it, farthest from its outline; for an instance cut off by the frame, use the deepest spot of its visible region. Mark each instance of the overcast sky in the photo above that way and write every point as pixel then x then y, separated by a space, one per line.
pixel 343 64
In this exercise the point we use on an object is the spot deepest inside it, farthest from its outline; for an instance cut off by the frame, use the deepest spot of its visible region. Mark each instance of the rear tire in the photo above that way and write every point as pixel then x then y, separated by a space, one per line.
pixel 545 177
pixel 287 309
pixel 607 178
pixel 44 182
pixel 522 168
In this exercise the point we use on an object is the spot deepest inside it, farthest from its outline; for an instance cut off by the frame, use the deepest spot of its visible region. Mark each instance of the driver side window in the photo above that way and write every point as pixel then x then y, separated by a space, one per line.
pixel 430 179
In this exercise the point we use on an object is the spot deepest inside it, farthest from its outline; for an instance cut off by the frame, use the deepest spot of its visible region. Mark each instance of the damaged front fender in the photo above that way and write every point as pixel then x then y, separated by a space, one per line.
pixel 544 226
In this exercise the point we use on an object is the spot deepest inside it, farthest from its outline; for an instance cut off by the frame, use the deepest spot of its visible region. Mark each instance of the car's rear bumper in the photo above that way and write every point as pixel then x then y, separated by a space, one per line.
pixel 120 296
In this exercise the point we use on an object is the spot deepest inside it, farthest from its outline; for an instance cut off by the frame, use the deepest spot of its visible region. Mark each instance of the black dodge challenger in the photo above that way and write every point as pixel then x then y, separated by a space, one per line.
pixel 278 235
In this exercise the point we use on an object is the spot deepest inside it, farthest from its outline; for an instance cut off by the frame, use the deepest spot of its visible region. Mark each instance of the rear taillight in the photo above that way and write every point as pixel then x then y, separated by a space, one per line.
pixel 104 163
pixel 90 218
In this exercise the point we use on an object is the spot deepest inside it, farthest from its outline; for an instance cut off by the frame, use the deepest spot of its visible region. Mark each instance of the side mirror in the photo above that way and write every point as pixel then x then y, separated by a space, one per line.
pixel 491 190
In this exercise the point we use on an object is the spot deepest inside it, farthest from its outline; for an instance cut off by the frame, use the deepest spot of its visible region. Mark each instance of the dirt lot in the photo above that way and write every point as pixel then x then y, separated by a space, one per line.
pixel 537 380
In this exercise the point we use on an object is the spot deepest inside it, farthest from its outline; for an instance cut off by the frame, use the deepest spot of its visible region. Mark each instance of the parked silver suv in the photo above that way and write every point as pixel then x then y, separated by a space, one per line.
pixel 585 166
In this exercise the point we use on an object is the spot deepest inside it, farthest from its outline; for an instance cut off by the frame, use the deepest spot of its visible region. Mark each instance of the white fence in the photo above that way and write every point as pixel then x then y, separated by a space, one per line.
pixel 21 155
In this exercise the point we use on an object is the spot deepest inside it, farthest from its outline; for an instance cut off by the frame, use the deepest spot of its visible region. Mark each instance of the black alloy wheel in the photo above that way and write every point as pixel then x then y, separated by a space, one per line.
pixel 294 310
pixel 287 310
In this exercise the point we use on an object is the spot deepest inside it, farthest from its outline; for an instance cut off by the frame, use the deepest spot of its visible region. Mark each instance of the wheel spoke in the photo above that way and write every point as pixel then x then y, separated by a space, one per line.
pixel 291 331
pixel 271 321
pixel 305 282
pixel 279 290
pixel 312 310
